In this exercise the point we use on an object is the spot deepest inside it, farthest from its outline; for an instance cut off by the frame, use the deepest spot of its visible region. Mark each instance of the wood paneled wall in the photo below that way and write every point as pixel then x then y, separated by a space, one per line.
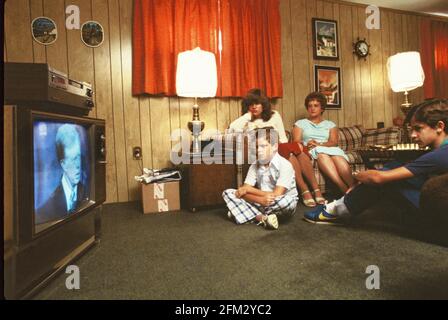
pixel 148 121
pixel 366 94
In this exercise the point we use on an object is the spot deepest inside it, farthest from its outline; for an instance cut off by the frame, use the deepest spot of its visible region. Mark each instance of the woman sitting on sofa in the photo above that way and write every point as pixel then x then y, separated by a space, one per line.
pixel 321 139
pixel 257 113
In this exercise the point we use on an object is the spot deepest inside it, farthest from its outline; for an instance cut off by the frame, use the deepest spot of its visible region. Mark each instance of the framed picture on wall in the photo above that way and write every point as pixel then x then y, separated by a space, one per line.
pixel 325 39
pixel 327 80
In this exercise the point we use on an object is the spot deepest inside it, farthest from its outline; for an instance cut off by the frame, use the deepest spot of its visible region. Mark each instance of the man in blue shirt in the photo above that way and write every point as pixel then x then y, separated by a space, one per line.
pixel 429 122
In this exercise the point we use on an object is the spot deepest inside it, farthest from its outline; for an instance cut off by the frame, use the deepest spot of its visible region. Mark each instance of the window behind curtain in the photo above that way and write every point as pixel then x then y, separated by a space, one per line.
pixel 247 31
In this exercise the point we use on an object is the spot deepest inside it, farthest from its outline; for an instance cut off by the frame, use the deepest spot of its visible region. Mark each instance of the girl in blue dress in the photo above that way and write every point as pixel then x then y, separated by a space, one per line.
pixel 321 138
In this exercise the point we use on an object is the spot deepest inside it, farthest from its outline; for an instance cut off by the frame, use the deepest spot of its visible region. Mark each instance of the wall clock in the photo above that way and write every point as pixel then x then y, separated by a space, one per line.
pixel 361 48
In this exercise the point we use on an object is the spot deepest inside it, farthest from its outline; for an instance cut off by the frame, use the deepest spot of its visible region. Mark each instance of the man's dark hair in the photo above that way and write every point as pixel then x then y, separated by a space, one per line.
pixel 320 97
pixel 268 133
pixel 430 112
pixel 257 96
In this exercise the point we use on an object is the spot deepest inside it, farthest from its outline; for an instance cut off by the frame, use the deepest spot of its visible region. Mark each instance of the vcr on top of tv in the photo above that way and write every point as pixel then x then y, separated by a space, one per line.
pixel 39 86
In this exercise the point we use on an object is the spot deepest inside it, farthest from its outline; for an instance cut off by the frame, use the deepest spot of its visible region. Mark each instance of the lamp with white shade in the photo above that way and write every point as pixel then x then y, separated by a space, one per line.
pixel 196 77
pixel 405 73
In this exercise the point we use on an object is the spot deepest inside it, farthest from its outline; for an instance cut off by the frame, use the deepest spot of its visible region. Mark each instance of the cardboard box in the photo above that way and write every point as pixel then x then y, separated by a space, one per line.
pixel 160 197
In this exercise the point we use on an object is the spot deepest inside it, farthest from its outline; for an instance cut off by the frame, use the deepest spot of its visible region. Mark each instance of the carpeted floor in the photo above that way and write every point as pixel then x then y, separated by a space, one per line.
pixel 203 255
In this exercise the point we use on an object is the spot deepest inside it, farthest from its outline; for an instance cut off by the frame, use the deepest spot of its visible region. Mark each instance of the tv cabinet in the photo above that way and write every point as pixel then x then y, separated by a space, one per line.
pixel 31 261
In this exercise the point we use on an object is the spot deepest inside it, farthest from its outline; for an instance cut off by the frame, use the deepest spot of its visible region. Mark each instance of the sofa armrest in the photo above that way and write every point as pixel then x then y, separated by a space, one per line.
pixel 433 217
pixel 434 196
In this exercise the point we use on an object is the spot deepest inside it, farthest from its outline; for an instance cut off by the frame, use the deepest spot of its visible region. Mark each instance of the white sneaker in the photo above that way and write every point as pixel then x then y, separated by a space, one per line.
pixel 271 222
pixel 229 215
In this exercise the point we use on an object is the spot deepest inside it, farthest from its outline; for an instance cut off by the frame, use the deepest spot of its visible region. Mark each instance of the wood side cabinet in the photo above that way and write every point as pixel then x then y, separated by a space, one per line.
pixel 202 184
pixel 205 178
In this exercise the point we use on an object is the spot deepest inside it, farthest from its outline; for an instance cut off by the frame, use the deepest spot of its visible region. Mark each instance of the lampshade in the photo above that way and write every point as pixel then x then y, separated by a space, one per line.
pixel 405 71
pixel 196 75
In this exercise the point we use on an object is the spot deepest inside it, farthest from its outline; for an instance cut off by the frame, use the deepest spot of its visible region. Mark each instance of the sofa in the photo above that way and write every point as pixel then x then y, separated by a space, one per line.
pixel 351 139
pixel 432 219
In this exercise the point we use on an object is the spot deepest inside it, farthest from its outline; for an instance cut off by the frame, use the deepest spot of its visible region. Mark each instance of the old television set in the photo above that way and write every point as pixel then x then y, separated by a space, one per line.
pixel 56 174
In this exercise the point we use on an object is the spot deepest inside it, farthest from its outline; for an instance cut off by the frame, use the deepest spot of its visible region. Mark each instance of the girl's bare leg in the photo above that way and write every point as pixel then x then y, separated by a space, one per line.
pixel 328 168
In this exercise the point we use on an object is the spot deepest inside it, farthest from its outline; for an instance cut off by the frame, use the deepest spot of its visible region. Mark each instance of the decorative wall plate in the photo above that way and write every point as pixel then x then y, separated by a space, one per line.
pixel 44 30
pixel 92 34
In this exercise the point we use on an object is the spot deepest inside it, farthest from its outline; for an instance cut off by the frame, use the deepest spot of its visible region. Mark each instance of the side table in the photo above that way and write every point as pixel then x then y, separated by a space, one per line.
pixel 203 181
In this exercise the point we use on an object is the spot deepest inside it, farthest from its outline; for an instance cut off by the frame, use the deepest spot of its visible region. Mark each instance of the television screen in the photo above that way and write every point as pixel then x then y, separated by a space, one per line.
pixel 62 172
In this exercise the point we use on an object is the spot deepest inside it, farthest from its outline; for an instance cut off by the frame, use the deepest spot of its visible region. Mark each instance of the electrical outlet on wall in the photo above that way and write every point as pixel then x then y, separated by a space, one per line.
pixel 137 153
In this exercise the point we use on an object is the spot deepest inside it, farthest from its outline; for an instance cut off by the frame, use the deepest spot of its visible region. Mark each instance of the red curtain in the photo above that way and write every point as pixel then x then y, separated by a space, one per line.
pixel 434 54
pixel 250 32
pixel 162 29
pixel 440 33
pixel 251 54
pixel 427 54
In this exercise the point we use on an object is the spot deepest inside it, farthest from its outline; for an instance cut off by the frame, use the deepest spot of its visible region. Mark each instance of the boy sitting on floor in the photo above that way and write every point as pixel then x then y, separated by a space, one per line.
pixel 269 189
pixel 429 122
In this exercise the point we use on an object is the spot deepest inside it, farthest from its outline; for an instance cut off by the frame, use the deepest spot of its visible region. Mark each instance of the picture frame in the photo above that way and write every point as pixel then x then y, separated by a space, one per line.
pixel 44 30
pixel 325 39
pixel 92 34
pixel 327 80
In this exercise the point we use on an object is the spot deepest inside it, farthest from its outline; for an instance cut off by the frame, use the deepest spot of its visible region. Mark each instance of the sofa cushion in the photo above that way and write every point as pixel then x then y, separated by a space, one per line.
pixel 384 136
pixel 354 157
pixel 350 138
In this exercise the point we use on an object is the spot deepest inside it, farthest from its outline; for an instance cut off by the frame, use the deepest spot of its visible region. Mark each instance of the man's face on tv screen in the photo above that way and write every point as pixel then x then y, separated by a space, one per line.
pixel 71 164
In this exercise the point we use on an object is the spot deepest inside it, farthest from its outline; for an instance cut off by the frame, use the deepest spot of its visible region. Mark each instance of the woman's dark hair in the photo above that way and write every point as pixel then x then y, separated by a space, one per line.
pixel 316 96
pixel 430 112
pixel 256 96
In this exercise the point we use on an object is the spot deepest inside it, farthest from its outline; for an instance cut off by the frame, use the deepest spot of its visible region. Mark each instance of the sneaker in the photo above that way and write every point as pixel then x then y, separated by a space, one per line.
pixel 321 216
pixel 269 222
pixel 272 222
